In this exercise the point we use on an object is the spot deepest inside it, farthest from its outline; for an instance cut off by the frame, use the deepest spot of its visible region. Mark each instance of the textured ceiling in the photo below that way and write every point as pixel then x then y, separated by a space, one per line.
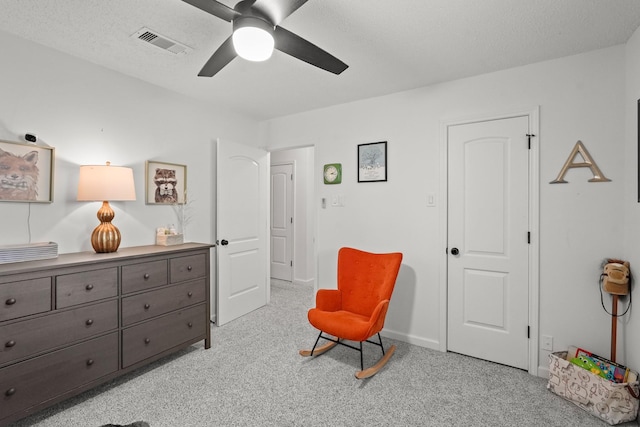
pixel 390 45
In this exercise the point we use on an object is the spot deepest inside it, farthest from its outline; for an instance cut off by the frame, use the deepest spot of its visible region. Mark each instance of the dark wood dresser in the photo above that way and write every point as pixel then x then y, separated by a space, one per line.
pixel 70 323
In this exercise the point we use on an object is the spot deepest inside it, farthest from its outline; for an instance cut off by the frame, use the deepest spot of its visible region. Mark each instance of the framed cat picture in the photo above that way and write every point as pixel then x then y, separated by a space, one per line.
pixel 26 172
pixel 165 183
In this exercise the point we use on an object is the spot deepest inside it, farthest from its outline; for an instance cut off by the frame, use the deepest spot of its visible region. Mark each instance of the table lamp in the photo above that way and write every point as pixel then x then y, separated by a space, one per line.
pixel 104 183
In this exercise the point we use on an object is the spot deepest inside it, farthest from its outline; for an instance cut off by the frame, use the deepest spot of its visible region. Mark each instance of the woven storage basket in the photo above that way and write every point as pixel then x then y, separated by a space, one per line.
pixel 611 402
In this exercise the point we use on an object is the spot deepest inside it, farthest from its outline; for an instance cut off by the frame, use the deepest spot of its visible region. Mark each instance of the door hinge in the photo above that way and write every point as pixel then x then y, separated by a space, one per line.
pixel 291 177
pixel 529 136
pixel 291 220
pixel 528 237
pixel 291 263
pixel 528 332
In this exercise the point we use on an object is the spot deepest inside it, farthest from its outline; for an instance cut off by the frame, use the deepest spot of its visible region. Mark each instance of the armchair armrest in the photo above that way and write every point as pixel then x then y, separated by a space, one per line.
pixel 378 316
pixel 329 299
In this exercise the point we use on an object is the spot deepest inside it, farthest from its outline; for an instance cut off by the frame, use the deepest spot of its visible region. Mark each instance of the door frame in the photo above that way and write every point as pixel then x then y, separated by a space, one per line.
pixel 305 208
pixel 534 222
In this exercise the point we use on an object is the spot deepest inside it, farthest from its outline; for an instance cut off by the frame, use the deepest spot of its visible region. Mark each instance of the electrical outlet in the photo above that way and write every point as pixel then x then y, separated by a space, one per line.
pixel 547 342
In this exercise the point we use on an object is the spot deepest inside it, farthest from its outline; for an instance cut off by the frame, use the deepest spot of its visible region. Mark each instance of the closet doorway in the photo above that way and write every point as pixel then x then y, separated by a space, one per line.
pixel 292 206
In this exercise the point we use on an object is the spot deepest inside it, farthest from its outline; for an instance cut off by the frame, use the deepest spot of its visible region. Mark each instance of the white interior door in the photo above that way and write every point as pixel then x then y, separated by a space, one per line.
pixel 282 222
pixel 241 230
pixel 488 261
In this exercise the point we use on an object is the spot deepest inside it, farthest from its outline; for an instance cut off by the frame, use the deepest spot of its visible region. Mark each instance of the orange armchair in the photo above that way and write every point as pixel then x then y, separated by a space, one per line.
pixel 356 310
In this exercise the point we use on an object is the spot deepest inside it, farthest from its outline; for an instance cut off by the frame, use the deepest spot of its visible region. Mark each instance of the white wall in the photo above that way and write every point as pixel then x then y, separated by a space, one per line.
pixel 90 115
pixel 580 98
pixel 631 324
pixel 303 212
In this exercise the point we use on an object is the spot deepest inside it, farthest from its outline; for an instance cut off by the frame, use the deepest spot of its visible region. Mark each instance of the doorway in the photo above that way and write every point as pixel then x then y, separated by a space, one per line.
pixel 303 216
pixel 491 264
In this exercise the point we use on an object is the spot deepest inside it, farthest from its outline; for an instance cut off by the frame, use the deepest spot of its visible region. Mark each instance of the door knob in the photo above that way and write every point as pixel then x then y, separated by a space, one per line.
pixel 224 242
pixel 454 251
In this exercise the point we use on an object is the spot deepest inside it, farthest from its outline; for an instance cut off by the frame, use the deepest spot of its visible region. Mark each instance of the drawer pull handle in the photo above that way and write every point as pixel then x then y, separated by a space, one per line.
pixel 89 287
pixel 89 322
pixel 190 325
pixel 147 306
pixel 147 340
pixel 146 276
pixel 10 392
pixel 189 294
pixel 10 343
pixel 189 268
pixel 10 301
pixel 89 362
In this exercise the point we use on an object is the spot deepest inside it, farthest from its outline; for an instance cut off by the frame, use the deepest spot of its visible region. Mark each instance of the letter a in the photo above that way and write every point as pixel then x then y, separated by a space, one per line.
pixel 587 162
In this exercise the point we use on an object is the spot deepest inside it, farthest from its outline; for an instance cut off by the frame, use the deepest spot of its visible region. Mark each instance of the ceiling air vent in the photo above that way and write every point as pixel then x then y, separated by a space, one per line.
pixel 162 42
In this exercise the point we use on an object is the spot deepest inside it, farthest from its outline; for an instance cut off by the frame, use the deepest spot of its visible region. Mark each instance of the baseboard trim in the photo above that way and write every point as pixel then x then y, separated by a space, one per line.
pixel 303 281
pixel 411 339
pixel 543 372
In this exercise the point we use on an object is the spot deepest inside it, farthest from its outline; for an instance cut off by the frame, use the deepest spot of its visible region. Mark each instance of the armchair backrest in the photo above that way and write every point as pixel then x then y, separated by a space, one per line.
pixel 365 278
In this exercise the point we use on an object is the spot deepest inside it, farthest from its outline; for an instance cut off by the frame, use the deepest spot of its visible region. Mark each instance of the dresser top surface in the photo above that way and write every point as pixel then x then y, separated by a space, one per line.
pixel 90 257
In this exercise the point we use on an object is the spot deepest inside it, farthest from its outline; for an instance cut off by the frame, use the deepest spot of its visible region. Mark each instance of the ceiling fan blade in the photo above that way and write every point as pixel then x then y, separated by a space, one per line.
pixel 219 59
pixel 277 10
pixel 296 46
pixel 215 8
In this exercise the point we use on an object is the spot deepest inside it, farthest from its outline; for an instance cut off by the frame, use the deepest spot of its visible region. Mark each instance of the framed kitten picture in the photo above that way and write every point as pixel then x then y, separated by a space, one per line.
pixel 165 183
pixel 26 172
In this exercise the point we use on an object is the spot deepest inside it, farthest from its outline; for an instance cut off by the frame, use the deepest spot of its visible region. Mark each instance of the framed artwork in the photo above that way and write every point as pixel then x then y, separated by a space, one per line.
pixel 26 172
pixel 165 183
pixel 372 162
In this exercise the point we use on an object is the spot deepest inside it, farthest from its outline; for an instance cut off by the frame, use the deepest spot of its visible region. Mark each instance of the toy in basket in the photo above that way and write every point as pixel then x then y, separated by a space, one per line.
pixel 599 365
pixel 589 387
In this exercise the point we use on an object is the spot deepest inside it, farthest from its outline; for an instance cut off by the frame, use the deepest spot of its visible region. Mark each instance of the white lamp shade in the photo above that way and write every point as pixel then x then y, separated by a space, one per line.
pixel 104 183
pixel 253 44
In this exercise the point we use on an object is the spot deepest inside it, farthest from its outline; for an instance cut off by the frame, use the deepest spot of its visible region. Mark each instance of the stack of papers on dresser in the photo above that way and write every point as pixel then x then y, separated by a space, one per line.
pixel 28 252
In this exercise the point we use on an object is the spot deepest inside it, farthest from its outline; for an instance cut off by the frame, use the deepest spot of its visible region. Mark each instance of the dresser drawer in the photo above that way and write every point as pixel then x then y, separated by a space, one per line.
pixel 187 268
pixel 141 307
pixel 32 336
pixel 137 277
pixel 26 297
pixel 29 383
pixel 150 338
pixel 87 286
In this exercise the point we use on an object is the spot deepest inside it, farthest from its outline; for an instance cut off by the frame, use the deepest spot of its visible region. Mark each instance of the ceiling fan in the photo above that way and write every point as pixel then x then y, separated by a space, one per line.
pixel 256 33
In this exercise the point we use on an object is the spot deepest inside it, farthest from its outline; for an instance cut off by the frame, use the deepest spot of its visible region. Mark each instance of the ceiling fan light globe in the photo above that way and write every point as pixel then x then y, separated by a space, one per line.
pixel 253 44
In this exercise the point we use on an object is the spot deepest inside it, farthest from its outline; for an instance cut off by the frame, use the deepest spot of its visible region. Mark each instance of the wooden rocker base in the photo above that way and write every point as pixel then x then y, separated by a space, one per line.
pixel 371 371
pixel 318 351
pixel 365 373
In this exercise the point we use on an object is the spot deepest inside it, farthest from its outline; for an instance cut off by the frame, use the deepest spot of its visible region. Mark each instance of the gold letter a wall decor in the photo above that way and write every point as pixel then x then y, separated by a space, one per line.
pixel 587 162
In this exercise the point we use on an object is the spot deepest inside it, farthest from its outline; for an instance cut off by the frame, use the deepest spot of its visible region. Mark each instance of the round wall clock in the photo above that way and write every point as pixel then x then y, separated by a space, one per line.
pixel 333 173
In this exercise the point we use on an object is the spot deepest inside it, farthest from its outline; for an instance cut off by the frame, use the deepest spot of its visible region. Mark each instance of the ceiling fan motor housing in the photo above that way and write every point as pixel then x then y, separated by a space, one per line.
pixel 253 21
